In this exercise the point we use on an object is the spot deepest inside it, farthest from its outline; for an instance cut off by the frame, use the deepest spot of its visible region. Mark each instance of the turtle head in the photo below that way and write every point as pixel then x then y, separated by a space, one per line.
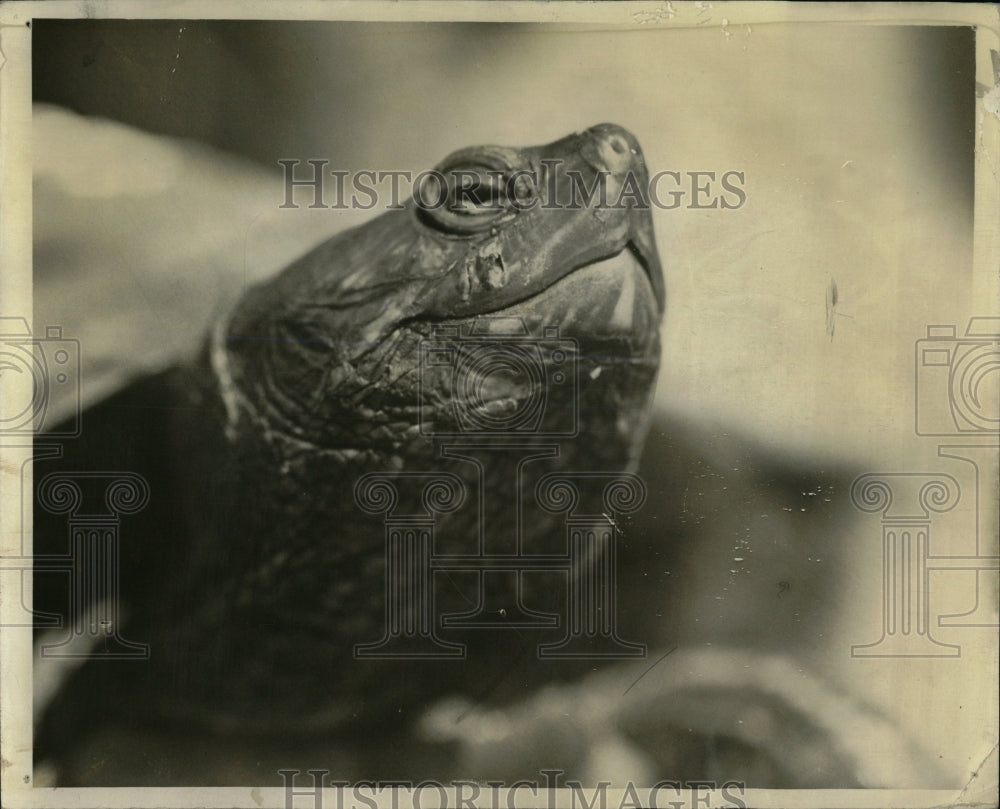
pixel 545 254
pixel 505 321
pixel 514 222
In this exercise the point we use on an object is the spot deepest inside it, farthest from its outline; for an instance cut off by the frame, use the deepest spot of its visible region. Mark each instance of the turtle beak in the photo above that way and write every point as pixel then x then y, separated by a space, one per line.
pixel 609 147
pixel 642 242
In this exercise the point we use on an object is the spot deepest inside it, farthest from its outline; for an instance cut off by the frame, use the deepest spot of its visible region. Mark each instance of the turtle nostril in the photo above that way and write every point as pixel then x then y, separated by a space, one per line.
pixel 609 147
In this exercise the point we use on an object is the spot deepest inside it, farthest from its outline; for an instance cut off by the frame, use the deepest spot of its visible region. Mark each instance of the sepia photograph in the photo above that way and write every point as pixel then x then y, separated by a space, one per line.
pixel 499 404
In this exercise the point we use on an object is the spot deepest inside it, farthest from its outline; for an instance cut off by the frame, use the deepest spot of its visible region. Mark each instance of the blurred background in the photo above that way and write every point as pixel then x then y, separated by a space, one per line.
pixel 157 199
pixel 856 144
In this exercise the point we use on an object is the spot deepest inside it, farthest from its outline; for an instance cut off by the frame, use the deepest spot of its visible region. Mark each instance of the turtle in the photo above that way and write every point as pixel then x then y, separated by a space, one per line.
pixel 311 383
pixel 497 334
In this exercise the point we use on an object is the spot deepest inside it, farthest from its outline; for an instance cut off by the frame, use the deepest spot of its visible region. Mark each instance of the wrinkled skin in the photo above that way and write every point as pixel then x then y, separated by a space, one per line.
pixel 325 355
pixel 258 573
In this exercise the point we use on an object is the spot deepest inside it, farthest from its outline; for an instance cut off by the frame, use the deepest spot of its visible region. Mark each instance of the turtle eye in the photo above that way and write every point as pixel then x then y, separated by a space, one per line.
pixel 470 197
pixel 475 192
